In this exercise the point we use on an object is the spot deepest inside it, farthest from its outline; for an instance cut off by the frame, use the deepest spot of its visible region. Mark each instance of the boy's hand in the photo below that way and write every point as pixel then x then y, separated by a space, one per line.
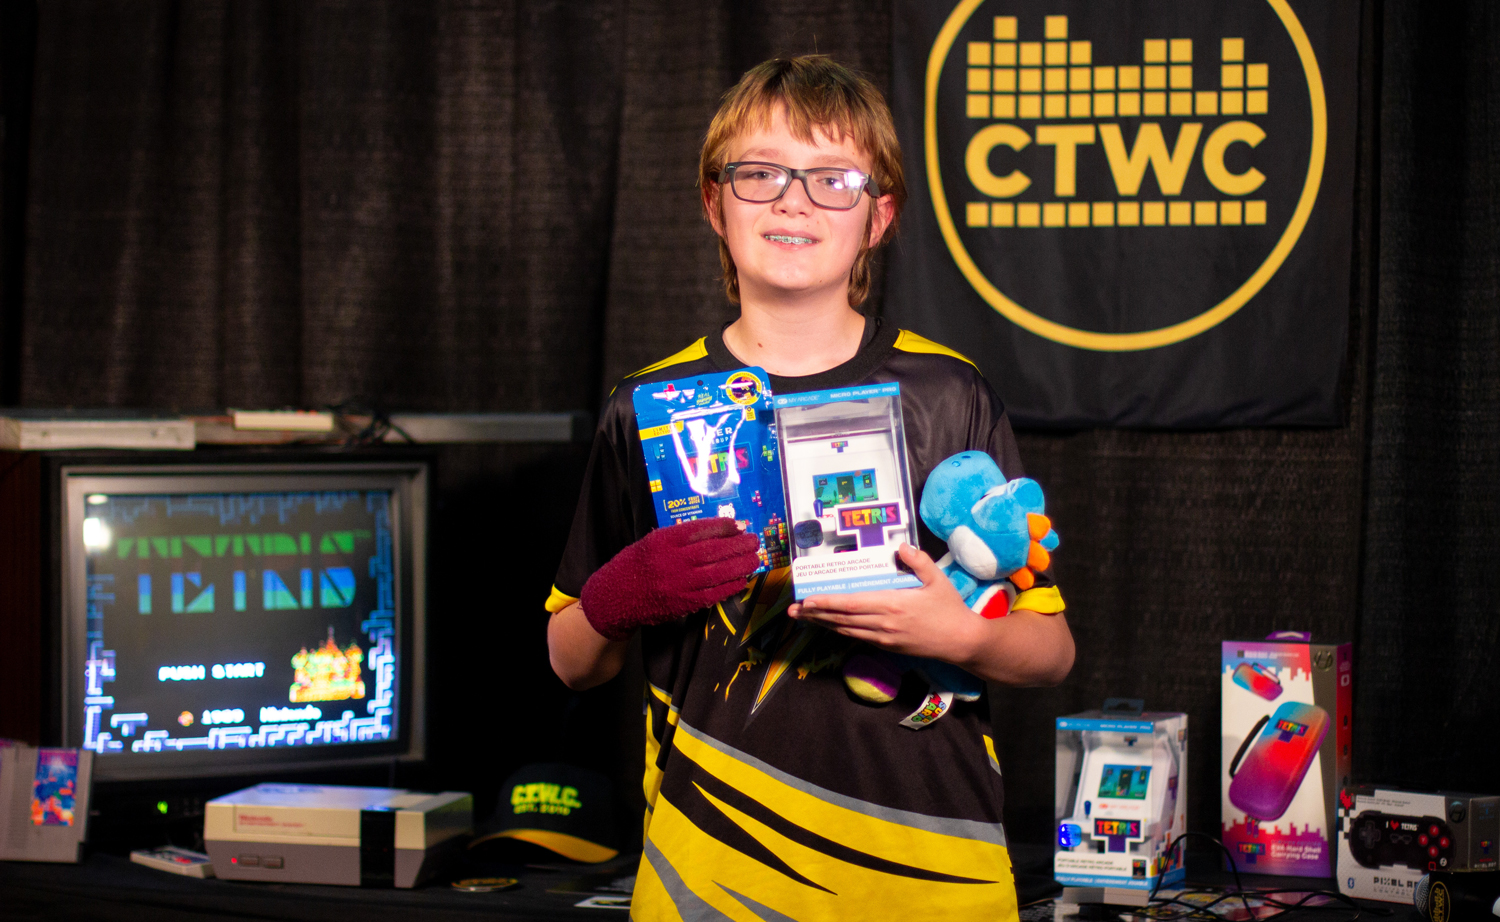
pixel 668 574
pixel 1024 648
pixel 932 621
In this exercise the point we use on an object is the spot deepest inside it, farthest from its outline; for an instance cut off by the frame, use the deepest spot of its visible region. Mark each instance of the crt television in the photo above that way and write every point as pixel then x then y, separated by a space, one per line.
pixel 237 618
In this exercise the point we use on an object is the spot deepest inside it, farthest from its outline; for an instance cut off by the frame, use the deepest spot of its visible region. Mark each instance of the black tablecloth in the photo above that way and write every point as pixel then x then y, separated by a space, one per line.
pixel 110 887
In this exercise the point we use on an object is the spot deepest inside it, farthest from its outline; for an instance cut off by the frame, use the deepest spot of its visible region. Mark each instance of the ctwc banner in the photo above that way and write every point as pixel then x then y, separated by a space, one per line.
pixel 1131 213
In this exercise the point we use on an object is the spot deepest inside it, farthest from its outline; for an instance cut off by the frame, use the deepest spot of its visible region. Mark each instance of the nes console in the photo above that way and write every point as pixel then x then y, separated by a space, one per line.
pixel 328 834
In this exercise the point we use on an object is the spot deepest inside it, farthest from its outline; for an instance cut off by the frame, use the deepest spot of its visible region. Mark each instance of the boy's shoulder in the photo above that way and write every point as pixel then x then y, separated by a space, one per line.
pixel 682 362
pixel 892 353
pixel 917 344
pixel 931 367
pixel 692 360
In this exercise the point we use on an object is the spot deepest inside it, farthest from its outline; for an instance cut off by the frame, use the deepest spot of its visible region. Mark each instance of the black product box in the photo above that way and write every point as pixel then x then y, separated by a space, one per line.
pixel 1389 838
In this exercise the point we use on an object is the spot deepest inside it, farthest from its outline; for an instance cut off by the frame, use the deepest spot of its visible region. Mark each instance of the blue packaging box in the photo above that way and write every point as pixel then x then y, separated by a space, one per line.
pixel 710 447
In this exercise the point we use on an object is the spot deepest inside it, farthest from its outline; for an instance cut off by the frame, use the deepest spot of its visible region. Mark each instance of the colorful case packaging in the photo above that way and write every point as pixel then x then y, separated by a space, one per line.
pixel 1121 799
pixel 710 447
pixel 1389 838
pixel 847 488
pixel 1285 750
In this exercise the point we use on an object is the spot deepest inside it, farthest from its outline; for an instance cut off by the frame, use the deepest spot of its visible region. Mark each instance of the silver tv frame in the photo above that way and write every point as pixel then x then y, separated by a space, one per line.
pixel 409 482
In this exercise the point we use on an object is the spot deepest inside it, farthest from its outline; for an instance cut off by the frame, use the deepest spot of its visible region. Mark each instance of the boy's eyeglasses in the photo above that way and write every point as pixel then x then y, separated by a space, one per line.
pixel 827 187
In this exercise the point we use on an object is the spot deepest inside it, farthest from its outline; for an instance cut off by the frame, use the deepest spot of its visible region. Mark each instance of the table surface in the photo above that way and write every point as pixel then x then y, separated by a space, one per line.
pixel 110 887
pixel 106 886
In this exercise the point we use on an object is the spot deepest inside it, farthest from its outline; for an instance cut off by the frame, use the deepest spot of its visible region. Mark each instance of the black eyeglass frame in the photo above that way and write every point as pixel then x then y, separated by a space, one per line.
pixel 726 177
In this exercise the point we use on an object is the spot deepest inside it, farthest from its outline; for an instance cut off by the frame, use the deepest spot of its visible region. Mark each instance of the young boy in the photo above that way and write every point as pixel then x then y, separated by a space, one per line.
pixel 772 793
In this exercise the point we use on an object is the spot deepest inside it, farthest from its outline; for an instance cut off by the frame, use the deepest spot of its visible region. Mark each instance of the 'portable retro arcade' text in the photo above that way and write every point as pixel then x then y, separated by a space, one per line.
pixel 1121 799
pixel 710 449
pixel 847 489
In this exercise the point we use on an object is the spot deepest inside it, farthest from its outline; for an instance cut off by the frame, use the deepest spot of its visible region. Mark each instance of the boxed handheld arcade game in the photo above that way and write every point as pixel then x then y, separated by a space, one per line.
pixel 847 488
pixel 710 449
pixel 1388 839
pixel 1285 750
pixel 1121 799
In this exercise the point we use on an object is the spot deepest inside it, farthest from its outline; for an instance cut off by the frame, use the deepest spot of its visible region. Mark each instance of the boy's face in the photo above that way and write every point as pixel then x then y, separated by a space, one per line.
pixel 791 247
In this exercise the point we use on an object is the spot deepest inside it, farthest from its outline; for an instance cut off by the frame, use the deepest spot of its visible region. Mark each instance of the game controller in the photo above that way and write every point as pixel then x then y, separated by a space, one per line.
pixel 1422 843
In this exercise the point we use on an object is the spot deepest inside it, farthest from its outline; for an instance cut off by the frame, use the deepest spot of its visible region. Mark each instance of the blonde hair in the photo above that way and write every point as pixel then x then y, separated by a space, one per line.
pixel 816 94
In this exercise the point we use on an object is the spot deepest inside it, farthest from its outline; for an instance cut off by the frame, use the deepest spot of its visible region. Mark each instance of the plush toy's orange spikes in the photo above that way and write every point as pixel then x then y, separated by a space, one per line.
pixel 1037 558
pixel 1022 579
pixel 1038 525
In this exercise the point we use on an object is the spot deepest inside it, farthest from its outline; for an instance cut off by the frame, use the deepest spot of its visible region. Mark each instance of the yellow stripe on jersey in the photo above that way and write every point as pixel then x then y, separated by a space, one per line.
pixel 962 848
pixel 692 353
pixel 1043 599
pixel 789 650
pixel 696 351
pixel 724 617
pixel 687 874
pixel 989 748
pixel 558 600
pixel 651 783
pixel 661 696
pixel 907 341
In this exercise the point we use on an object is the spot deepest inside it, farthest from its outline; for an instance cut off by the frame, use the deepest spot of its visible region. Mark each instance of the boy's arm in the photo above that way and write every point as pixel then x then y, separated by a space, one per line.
pixel 661 578
pixel 1023 648
pixel 580 655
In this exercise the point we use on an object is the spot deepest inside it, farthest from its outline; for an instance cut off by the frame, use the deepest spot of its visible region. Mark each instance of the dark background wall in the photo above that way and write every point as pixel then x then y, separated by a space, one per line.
pixel 491 206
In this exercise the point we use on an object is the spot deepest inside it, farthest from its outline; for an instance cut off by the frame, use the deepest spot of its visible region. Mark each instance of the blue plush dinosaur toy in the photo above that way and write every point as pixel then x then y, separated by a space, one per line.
pixel 998 536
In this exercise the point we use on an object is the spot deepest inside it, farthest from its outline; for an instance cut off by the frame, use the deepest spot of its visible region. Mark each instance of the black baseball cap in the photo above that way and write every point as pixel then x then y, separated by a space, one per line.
pixel 563 808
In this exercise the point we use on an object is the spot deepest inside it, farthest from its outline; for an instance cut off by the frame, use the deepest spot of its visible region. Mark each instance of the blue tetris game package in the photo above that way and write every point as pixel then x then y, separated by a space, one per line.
pixel 710 445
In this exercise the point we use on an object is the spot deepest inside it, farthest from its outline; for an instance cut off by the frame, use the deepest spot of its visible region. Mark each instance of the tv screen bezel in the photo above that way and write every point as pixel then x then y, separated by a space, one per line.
pixel 408 481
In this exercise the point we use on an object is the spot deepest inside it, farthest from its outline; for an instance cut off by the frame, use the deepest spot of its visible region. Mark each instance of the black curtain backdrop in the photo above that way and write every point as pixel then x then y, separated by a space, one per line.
pixel 445 206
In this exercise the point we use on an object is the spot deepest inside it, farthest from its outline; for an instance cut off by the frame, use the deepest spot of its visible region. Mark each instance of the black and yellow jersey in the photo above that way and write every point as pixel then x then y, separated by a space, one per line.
pixel 772 793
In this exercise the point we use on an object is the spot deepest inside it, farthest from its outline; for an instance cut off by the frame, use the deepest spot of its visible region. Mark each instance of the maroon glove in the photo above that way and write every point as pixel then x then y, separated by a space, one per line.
pixel 671 572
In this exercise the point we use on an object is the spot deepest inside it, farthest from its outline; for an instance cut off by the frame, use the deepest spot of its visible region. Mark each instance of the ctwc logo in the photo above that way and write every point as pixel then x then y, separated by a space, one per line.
pixel 539 797
pixel 1179 166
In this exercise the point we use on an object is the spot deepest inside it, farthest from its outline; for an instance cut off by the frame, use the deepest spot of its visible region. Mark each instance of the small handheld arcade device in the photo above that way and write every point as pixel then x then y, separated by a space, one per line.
pixel 847 489
pixel 1121 798
pixel 710 448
